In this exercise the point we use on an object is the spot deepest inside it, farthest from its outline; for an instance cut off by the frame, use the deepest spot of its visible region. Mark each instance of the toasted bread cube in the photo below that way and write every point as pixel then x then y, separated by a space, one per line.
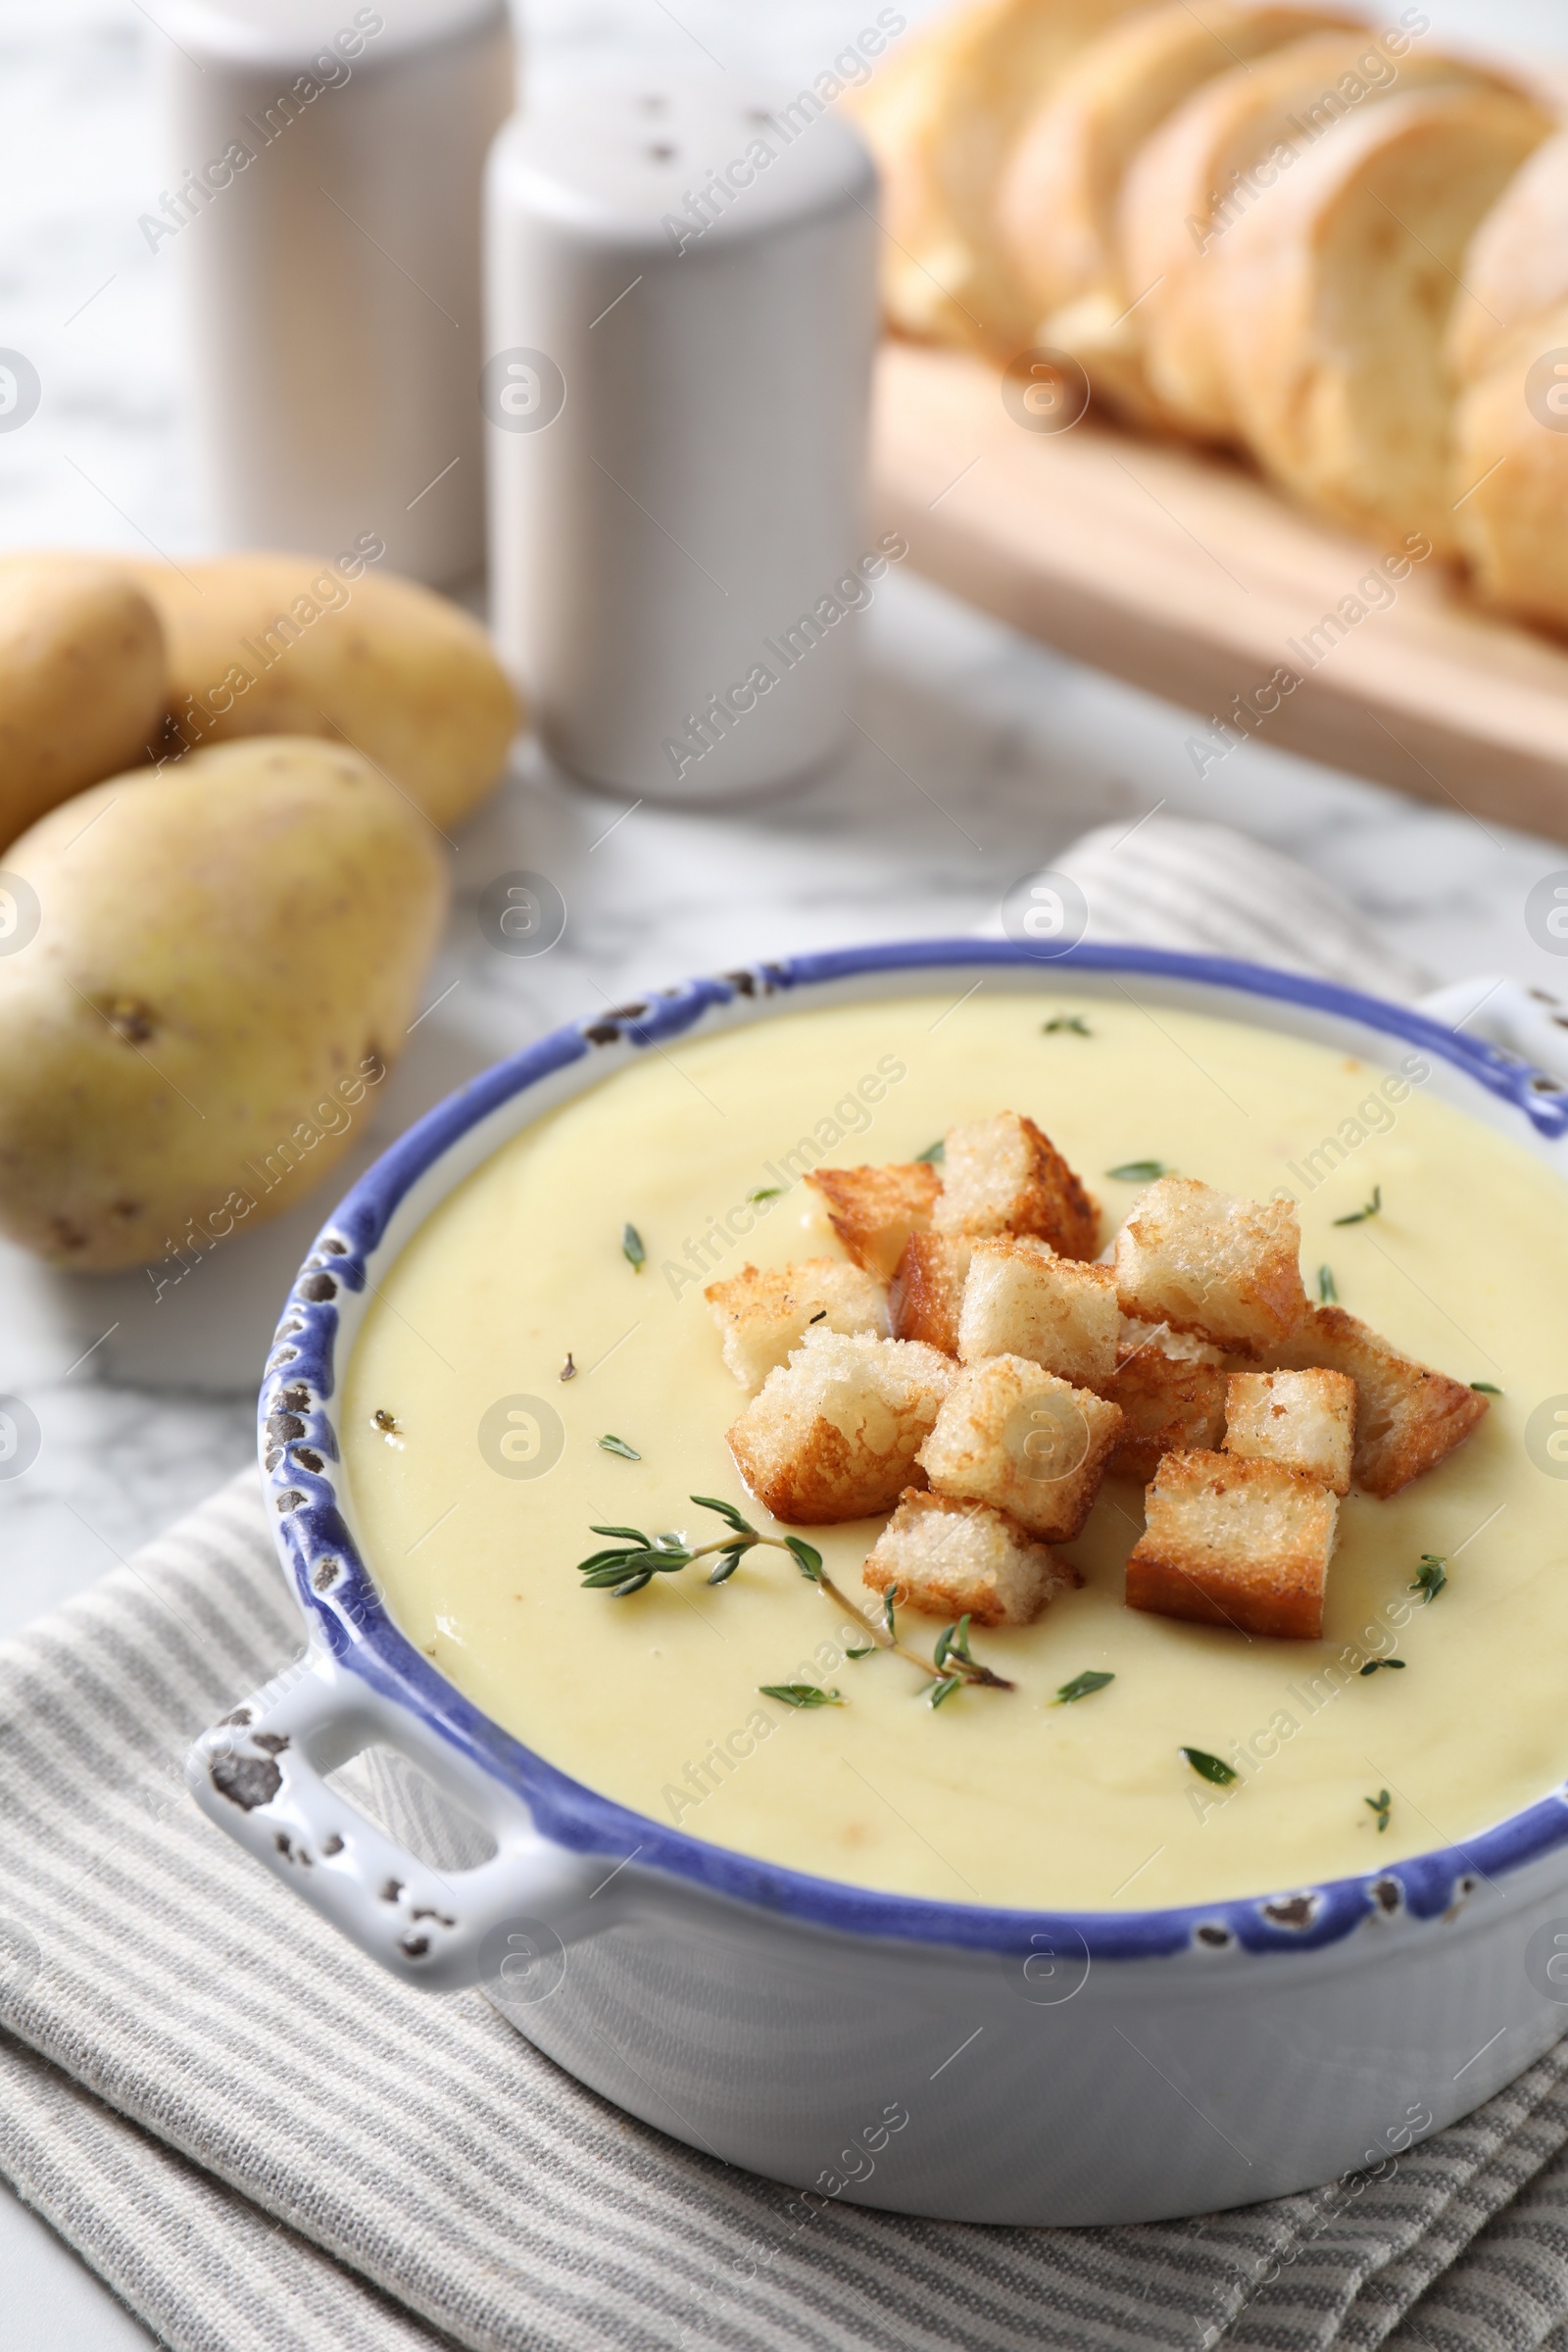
pixel 1245 1544
pixel 834 1433
pixel 1022 1300
pixel 1001 1175
pixel 1305 1420
pixel 1409 1418
pixel 1212 1263
pixel 874 1210
pixel 1013 1434
pixel 948 1558
pixel 764 1316
pixel 926 1293
pixel 1171 1390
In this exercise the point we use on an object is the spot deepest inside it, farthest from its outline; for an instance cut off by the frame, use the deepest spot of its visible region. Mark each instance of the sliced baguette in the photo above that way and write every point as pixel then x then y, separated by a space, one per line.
pixel 1331 301
pixel 1059 201
pixel 1227 151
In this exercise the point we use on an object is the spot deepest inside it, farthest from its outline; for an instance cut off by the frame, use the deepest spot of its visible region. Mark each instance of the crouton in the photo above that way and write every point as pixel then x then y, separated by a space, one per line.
pixel 927 1289
pixel 834 1433
pixel 1245 1544
pixel 1171 1390
pixel 874 1210
pixel 1409 1418
pixel 1022 1300
pixel 948 1558
pixel 1013 1434
pixel 1212 1263
pixel 1305 1420
pixel 1001 1175
pixel 764 1316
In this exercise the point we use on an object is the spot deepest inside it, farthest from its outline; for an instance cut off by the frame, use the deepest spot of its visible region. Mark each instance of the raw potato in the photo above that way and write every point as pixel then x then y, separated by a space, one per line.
pixel 226 957
pixel 296 645
pixel 82 679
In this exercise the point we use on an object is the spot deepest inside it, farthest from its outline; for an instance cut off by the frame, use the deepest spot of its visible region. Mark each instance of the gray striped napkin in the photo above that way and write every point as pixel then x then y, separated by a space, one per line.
pixel 265 2144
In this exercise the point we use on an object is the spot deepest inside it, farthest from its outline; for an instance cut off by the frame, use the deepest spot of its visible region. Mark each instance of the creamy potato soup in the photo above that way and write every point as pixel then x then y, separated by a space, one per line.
pixel 477 1471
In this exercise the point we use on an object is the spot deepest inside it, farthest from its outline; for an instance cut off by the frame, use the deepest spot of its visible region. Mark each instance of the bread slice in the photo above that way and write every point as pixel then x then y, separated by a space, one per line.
pixel 834 1433
pixel 1409 1418
pixel 1023 1441
pixel 1235 1542
pixel 1305 1420
pixel 1002 1175
pixel 940 118
pixel 1057 207
pixel 1516 270
pixel 764 1315
pixel 947 1558
pixel 1510 474
pixel 1510 460
pixel 874 1210
pixel 1229 149
pixel 1211 1262
pixel 1172 1392
pixel 1331 301
pixel 1022 1300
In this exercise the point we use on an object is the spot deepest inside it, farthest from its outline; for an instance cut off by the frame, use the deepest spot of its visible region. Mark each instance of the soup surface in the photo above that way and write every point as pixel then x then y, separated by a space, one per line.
pixel 474 1506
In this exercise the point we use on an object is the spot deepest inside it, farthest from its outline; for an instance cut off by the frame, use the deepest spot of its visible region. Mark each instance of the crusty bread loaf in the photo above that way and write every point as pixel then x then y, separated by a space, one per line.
pixel 940 118
pixel 1228 151
pixel 1332 300
pixel 1057 206
pixel 1510 473
pixel 1516 270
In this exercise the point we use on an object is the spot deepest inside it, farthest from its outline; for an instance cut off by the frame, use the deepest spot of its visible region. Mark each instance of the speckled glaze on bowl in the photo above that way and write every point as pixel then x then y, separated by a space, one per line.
pixel 957 2060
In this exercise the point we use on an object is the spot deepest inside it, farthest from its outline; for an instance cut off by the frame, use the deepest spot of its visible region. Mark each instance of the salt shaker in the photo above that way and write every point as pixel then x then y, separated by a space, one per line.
pixel 680 313
pixel 326 213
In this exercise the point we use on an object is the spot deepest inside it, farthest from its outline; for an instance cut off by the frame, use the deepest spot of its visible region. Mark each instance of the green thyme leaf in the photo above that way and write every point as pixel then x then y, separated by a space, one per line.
pixel 1325 1287
pixel 726 1511
pixel 627 1453
pixel 1373 1209
pixel 801 1694
pixel 939 1649
pixel 767 1192
pixel 887 1613
pixel 1486 1387
pixel 1082 1685
pixel 728 1562
pixel 633 1583
pixel 1071 1024
pixel 1138 1171
pixel 628 1535
pixel 806 1558
pixel 631 1248
pixel 934 1154
pixel 1394 1665
pixel 869 1651
pixel 936 1692
pixel 1207 1767
pixel 1430 1576
pixel 1380 1805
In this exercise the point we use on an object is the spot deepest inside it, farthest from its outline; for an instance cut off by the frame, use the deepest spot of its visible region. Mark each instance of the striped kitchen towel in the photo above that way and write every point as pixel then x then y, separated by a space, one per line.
pixel 266 2145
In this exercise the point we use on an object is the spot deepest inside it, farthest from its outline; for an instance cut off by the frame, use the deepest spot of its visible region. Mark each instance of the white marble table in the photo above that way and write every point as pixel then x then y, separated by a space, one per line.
pixel 982 755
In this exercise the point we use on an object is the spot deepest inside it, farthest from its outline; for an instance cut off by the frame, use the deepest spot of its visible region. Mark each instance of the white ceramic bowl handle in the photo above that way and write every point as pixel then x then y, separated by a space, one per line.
pixel 260 1776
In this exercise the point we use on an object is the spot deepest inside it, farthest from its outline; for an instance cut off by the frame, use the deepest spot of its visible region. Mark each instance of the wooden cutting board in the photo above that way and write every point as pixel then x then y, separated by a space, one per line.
pixel 1186 575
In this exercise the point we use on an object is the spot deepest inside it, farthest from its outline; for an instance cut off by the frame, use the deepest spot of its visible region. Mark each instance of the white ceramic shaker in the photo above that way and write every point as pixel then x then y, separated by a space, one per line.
pixel 327 163
pixel 680 314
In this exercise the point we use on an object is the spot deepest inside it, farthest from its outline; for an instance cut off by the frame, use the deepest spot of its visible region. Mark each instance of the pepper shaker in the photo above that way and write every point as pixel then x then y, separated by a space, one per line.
pixel 326 213
pixel 680 318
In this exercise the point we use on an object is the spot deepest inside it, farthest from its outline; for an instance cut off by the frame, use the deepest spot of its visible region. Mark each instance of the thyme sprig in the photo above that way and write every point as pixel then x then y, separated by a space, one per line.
pixel 1071 1024
pixel 634 1559
pixel 1394 1665
pixel 1372 1208
pixel 1380 1805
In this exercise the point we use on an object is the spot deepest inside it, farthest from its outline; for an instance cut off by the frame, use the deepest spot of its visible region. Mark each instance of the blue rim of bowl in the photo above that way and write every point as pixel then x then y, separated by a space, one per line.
pixel 341 1601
